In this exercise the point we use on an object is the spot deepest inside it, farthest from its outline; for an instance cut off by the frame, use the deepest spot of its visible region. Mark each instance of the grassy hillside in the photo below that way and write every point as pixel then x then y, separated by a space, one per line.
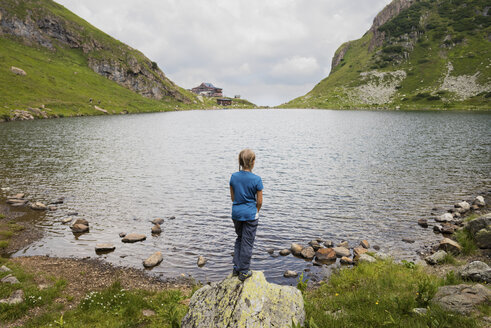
pixel 434 54
pixel 69 62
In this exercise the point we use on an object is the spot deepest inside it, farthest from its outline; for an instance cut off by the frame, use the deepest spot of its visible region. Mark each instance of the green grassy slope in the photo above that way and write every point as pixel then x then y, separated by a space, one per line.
pixel 434 54
pixel 57 53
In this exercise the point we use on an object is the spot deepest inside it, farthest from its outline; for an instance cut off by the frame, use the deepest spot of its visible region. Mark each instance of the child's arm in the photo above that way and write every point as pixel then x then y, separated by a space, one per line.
pixel 232 196
pixel 259 199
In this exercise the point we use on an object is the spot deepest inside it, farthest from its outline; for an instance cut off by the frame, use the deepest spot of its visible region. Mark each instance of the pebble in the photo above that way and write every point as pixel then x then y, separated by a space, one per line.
pixel 270 250
pixel 67 220
pixel 408 240
pixel 172 218
pixel 122 234
pixel 290 274
pixel 201 261
pixel 72 213
pixel 52 208
pixel 376 247
pixel 328 243
pixel 423 223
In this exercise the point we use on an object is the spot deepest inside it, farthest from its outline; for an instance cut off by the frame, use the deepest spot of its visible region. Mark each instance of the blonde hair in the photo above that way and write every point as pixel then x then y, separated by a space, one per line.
pixel 246 159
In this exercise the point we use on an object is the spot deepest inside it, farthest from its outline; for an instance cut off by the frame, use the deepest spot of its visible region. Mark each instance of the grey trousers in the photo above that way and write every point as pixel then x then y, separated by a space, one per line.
pixel 246 233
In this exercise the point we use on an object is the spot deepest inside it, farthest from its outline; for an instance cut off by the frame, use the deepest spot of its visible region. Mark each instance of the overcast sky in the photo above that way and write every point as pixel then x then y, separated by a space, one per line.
pixel 267 51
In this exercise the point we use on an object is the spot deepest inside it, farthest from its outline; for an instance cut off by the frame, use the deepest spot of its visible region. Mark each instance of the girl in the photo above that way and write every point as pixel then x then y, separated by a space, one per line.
pixel 246 192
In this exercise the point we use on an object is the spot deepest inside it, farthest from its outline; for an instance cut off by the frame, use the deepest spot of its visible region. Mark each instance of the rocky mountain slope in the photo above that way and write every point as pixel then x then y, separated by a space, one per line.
pixel 418 54
pixel 70 66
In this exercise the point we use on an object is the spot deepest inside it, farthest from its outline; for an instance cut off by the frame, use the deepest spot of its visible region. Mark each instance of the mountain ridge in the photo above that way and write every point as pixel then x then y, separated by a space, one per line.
pixel 418 54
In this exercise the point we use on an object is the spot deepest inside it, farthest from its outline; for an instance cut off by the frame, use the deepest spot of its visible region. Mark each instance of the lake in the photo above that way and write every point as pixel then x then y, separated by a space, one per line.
pixel 337 175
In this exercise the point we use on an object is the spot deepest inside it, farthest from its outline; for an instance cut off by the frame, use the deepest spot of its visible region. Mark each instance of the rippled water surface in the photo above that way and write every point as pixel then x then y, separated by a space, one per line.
pixel 329 174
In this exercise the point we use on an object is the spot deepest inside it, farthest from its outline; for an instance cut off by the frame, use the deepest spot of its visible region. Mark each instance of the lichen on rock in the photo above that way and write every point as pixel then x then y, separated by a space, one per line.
pixel 253 303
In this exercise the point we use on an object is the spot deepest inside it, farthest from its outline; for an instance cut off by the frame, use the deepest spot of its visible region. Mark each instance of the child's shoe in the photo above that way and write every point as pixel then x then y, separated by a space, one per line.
pixel 235 273
pixel 244 275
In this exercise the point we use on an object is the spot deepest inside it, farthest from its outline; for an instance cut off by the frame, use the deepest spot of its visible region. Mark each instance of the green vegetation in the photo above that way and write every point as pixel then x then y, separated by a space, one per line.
pixel 59 80
pixel 7 231
pixel 466 240
pixel 428 42
pixel 379 295
pixel 111 307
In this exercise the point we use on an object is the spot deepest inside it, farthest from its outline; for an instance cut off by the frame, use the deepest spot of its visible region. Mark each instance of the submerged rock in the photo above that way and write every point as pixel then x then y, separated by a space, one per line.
pixel 285 252
pixel 423 223
pixel 66 220
pixel 82 221
pixel 153 260
pixel 290 274
pixel 252 303
pixel 38 206
pixel 79 228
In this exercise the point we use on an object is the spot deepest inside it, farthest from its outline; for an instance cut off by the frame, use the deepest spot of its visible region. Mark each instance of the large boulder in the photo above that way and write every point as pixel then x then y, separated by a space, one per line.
pixel 476 271
pixel 253 303
pixel 308 253
pixel 461 298
pixel 325 254
pixel 480 223
pixel 447 217
pixel 341 251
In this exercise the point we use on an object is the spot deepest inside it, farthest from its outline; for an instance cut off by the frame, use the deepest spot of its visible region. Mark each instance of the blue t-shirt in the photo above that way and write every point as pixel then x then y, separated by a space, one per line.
pixel 245 185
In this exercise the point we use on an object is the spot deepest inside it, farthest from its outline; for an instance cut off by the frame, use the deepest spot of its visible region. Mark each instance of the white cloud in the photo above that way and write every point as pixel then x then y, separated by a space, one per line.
pixel 267 51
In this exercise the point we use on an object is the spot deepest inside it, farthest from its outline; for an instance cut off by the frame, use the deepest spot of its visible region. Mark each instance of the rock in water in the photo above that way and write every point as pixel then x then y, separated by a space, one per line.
pixel 365 244
pixel 201 261
pixel 252 303
pixel 153 260
pixel 285 252
pixel 158 221
pixel 308 253
pixel 423 223
pixel 325 254
pixel 104 247
pixel 82 221
pixel 447 217
pixel 296 249
pixel 39 206
pixel 133 238
pixel 79 228
pixel 290 274
pixel 342 251
pixel 156 229
pixel 479 201
pixel 357 251
pixel 344 244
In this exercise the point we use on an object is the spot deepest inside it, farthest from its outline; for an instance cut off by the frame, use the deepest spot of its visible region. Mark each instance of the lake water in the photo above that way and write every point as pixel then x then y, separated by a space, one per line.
pixel 331 174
